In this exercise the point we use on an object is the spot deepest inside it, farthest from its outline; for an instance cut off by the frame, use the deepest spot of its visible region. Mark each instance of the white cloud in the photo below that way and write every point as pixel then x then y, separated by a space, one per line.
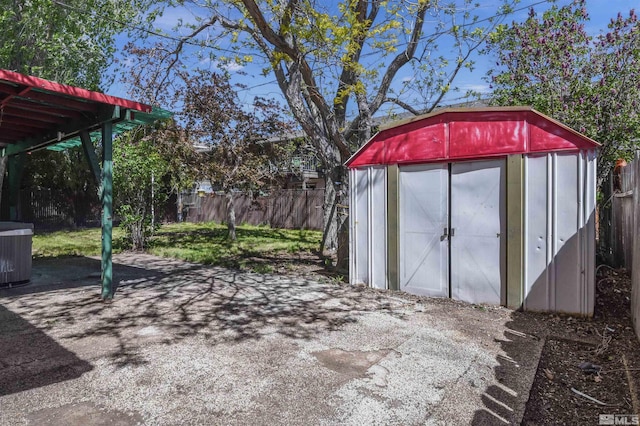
pixel 480 88
pixel 230 66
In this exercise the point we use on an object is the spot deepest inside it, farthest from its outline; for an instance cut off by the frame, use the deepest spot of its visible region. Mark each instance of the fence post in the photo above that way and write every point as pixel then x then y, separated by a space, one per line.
pixel 307 210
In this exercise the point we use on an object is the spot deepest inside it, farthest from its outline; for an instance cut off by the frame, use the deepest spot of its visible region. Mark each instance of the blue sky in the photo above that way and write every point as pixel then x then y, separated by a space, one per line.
pixel 600 11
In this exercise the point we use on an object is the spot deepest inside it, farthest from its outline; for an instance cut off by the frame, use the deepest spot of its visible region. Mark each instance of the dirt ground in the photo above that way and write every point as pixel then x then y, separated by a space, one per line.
pixel 187 344
pixel 588 367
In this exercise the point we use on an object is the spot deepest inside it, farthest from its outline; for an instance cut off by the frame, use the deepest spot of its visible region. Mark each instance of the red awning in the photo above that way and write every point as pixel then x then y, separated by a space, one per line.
pixel 35 112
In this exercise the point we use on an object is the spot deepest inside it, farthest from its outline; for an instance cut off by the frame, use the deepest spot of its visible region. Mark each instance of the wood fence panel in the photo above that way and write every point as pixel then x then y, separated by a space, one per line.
pixel 620 236
pixel 620 232
pixel 289 209
pixel 623 230
pixel 315 204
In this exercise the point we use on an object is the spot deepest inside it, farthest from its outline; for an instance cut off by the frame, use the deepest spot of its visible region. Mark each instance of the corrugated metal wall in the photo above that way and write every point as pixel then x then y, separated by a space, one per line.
pixel 368 231
pixel 559 232
pixel 556 271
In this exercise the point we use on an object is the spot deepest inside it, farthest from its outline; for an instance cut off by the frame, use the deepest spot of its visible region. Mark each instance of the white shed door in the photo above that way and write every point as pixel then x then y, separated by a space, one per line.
pixel 423 220
pixel 477 231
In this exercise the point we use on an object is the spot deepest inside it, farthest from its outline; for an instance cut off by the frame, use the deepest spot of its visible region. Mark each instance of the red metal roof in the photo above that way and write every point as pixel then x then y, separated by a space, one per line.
pixel 35 112
pixel 463 134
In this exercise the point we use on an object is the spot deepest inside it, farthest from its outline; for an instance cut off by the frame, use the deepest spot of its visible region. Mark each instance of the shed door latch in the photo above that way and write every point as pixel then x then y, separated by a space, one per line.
pixel 446 234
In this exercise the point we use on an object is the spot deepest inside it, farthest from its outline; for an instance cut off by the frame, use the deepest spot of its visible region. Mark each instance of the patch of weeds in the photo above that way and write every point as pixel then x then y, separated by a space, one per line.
pixel 261 268
pixel 294 248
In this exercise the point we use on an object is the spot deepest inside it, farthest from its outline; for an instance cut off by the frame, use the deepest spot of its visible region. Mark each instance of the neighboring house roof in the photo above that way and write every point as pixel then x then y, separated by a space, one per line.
pixel 468 133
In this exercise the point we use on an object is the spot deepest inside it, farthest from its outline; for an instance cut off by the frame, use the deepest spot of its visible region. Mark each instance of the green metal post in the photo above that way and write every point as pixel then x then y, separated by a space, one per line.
pixel 15 166
pixel 107 209
pixel 90 154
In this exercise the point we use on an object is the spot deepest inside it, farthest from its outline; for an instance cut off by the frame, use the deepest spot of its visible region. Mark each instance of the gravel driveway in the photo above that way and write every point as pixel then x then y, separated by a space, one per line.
pixel 189 344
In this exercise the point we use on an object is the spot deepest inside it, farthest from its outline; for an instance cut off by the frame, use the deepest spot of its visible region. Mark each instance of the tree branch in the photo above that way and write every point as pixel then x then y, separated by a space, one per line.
pixel 305 71
pixel 398 62
pixel 178 50
pixel 348 76
pixel 287 16
pixel 403 105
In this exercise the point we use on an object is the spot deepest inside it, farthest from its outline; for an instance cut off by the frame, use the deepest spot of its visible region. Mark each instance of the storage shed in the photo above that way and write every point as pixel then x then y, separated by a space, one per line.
pixel 490 205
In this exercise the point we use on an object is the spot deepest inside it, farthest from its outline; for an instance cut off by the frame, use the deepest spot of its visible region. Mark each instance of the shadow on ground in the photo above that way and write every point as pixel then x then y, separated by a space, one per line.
pixel 29 358
pixel 521 347
pixel 165 301
pixel 554 346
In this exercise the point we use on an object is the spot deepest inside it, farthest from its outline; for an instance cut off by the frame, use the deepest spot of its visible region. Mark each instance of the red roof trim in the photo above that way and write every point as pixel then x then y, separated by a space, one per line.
pixel 462 134
pixel 77 92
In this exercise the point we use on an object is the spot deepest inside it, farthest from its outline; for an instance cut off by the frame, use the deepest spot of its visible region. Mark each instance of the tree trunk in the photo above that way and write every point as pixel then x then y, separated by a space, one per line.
pixel 137 235
pixel 336 214
pixel 231 216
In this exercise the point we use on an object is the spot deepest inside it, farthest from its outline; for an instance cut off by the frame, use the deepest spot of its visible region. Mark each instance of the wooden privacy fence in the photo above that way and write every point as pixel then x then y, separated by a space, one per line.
pixel 290 209
pixel 616 219
pixel 620 229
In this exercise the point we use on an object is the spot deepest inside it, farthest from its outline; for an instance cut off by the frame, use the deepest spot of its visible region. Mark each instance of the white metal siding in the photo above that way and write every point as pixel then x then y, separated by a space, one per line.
pixel 360 213
pixel 560 232
pixel 378 227
pixel 537 251
pixel 423 217
pixel 589 250
pixel 368 226
pixel 478 223
pixel 567 238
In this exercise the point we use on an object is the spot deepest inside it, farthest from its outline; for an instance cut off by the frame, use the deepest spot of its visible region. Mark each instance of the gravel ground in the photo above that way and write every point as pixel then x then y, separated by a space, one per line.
pixel 189 344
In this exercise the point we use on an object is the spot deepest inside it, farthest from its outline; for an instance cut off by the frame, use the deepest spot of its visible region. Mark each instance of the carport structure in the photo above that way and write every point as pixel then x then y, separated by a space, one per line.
pixel 37 114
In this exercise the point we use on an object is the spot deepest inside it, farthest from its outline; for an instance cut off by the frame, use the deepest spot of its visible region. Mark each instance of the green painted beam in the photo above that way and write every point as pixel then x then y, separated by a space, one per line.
pixel 393 230
pixel 132 120
pixel 107 210
pixel 515 232
pixel 90 154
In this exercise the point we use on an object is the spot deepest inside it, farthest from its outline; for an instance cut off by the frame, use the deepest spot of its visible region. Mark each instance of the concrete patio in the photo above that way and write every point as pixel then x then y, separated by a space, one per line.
pixel 189 344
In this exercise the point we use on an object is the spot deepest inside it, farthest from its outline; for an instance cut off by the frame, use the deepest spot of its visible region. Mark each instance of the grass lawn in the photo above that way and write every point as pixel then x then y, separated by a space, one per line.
pixel 82 242
pixel 194 242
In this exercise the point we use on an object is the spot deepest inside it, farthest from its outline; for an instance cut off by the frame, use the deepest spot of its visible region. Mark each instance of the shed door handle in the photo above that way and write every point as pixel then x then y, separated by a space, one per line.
pixel 453 231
